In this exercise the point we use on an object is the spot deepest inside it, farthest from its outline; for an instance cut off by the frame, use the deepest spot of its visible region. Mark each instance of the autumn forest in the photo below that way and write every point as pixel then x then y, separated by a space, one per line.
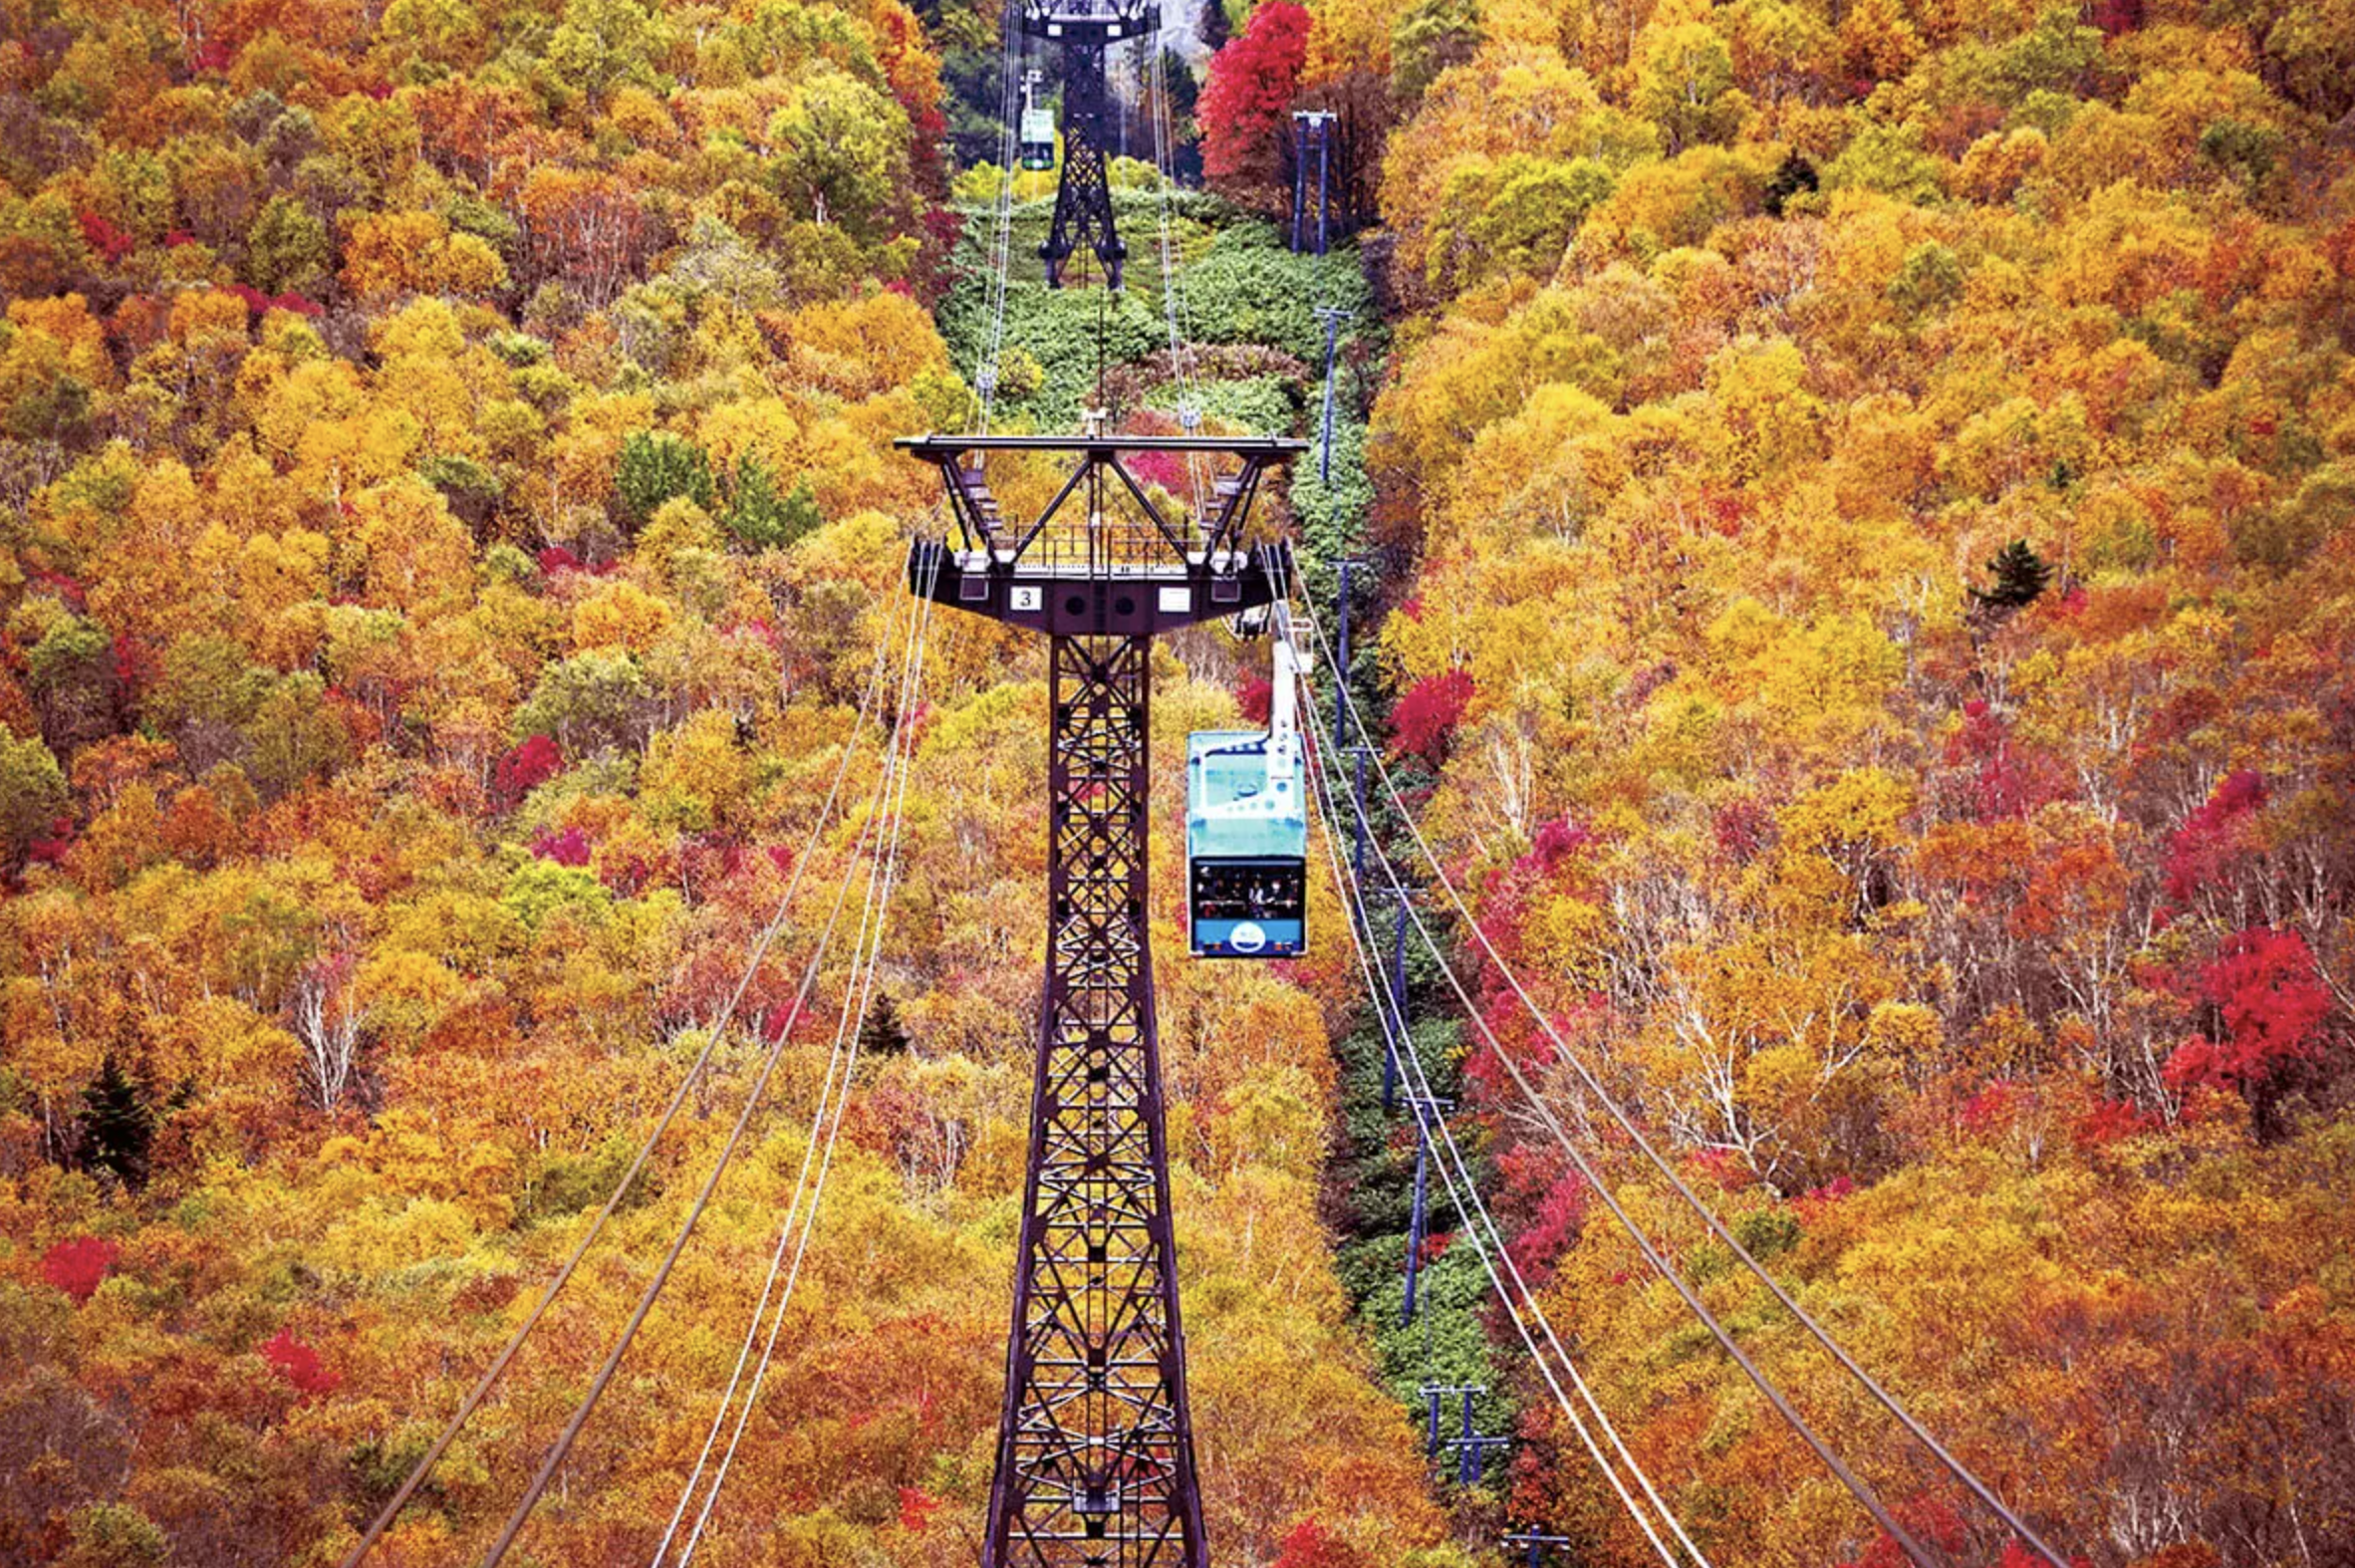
pixel 1844 516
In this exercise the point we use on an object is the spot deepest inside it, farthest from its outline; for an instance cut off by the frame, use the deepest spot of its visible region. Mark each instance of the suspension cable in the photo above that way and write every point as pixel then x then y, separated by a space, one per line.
pixel 1619 1115
pixel 423 1468
pixel 661 1276
pixel 836 1081
pixel 1155 86
pixel 1856 1486
pixel 1013 53
pixel 854 1012
pixel 1464 1193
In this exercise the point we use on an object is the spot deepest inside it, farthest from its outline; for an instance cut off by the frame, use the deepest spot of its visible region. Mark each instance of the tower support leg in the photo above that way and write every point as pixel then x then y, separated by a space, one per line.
pixel 1095 1461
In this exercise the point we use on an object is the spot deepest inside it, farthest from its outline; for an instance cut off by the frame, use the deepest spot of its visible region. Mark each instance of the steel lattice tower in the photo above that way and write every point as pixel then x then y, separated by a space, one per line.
pixel 1095 1459
pixel 1095 1449
pixel 1083 196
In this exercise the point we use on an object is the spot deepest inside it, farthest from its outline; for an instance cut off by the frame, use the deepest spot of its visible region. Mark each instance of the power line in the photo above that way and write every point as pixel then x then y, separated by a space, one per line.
pixel 1619 1115
pixel 423 1468
pixel 661 1276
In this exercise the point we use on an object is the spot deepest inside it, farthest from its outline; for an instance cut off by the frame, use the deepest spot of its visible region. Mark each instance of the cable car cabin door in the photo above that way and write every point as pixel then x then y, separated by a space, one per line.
pixel 1247 846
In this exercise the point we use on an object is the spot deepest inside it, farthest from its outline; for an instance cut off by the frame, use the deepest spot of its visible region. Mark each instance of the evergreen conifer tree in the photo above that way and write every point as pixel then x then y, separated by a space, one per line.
pixel 2021 576
pixel 879 1033
pixel 116 1126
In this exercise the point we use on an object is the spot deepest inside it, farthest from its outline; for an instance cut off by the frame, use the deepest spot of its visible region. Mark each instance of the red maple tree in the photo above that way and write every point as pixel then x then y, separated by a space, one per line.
pixel 299 1364
pixel 1244 104
pixel 2270 1002
pixel 79 1265
pixel 1426 718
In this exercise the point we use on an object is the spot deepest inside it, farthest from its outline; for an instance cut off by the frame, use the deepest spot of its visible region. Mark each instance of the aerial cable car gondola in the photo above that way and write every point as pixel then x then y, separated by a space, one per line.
pixel 1038 127
pixel 1246 828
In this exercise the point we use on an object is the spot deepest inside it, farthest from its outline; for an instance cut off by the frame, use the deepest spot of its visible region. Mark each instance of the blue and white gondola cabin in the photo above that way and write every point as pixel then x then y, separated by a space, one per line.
pixel 1246 844
pixel 1037 141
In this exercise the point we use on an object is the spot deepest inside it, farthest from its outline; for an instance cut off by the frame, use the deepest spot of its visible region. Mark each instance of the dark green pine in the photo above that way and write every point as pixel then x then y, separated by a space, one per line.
pixel 2021 576
pixel 116 1126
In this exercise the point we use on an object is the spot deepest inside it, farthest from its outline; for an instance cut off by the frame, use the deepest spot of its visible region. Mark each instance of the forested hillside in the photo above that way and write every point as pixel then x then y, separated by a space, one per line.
pixel 1857 593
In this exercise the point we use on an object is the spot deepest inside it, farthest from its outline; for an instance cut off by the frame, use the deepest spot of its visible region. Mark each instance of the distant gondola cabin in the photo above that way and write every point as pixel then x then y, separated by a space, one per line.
pixel 1246 845
pixel 1038 136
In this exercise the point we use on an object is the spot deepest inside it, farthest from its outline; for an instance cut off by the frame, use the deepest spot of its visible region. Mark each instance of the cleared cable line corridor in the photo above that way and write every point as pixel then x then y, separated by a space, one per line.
pixel 1519 1300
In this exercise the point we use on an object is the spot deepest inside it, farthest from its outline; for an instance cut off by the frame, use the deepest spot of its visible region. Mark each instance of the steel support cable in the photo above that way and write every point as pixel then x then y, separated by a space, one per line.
pixel 1401 1053
pixel 1454 1168
pixel 1191 371
pixel 1855 1484
pixel 854 1012
pixel 1152 85
pixel 423 1468
pixel 801 1187
pixel 1002 240
pixel 760 1309
pixel 1815 1330
pixel 1857 1488
pixel 1165 129
pixel 661 1278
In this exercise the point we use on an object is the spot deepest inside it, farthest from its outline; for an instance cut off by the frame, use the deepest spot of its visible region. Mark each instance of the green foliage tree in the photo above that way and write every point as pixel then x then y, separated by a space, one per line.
pixel 71 672
pixel 537 888
pixel 1430 37
pixel 600 45
pixel 658 466
pixel 762 518
pixel 719 261
pixel 1685 87
pixel 842 150
pixel 114 1535
pixel 586 703
pixel 2052 56
pixel 287 249
pixel 208 683
pixel 32 793
pixel 1889 159
pixel 1928 279
pixel 292 737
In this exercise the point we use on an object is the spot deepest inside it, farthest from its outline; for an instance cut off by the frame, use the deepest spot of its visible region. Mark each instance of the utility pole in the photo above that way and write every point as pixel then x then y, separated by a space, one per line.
pixel 1341 663
pixel 1535 1542
pixel 1083 196
pixel 1471 1457
pixel 1424 1108
pixel 1470 1450
pixel 1398 964
pixel 1433 1394
pixel 1391 1065
pixel 1095 1452
pixel 1356 758
pixel 1312 138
